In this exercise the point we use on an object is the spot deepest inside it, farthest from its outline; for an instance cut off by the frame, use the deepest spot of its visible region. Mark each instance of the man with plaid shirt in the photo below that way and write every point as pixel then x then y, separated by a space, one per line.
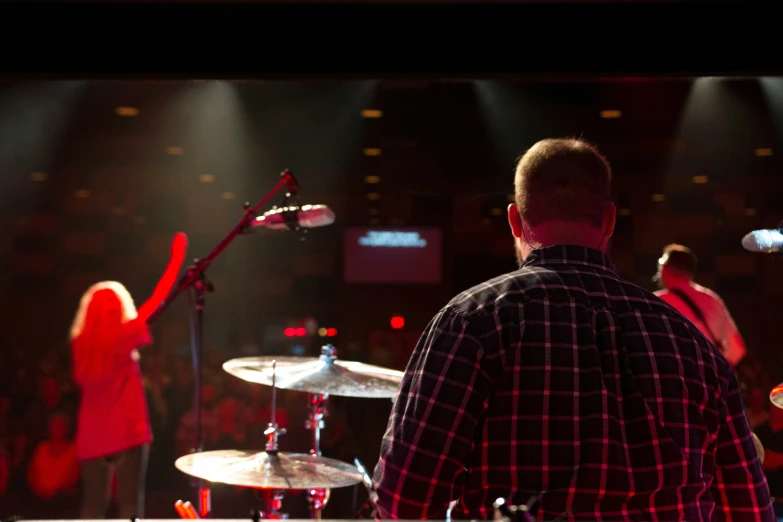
pixel 563 387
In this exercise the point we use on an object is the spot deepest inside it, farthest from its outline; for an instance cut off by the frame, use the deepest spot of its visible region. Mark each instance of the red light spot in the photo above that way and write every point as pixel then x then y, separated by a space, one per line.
pixel 301 332
pixel 331 332
pixel 289 332
pixel 397 322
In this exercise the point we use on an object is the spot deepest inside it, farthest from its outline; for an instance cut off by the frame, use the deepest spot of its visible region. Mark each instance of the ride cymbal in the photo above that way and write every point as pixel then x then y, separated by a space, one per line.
pixel 323 375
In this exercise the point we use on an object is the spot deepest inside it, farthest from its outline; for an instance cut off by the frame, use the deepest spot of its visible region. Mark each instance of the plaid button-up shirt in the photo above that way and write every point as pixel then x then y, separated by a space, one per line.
pixel 563 384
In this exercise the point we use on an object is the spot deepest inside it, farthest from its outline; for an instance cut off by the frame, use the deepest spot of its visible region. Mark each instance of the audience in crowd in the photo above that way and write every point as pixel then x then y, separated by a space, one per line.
pixel 39 473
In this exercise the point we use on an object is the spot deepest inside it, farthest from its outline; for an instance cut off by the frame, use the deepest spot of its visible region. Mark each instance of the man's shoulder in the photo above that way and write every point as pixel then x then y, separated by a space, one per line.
pixel 705 292
pixel 481 298
pixel 512 289
pixel 520 286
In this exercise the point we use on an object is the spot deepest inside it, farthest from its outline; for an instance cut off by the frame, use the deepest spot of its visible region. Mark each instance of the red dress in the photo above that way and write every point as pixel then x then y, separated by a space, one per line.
pixel 113 415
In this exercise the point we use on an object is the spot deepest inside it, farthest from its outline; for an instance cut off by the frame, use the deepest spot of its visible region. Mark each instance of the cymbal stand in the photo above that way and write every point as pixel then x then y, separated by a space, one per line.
pixel 273 498
pixel 318 498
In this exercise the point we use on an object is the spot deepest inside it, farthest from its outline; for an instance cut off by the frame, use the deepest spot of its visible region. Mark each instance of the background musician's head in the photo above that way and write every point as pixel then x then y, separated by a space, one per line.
pixel 562 196
pixel 676 267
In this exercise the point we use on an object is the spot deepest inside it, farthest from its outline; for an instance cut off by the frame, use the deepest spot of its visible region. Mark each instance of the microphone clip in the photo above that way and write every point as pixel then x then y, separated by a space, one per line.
pixel 291 203
pixel 291 182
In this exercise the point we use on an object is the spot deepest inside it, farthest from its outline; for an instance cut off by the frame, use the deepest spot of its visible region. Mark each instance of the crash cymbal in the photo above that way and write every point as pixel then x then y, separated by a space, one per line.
pixel 759 448
pixel 269 471
pixel 776 396
pixel 322 375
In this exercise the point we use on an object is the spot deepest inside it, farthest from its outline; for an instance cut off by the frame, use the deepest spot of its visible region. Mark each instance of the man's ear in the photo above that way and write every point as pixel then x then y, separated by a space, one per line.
pixel 611 220
pixel 515 221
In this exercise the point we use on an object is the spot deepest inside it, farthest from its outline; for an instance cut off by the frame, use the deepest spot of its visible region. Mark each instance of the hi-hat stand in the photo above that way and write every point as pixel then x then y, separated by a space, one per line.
pixel 273 498
pixel 196 283
pixel 318 498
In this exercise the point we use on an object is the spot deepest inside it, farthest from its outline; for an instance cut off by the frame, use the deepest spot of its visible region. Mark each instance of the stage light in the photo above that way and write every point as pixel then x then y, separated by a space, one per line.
pixel 372 113
pixel 322 332
pixel 126 111
pixel 289 332
pixel 301 332
pixel 397 322
pixel 331 332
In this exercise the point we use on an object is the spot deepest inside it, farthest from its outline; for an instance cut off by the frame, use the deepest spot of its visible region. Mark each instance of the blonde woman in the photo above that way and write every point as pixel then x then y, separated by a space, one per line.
pixel 113 431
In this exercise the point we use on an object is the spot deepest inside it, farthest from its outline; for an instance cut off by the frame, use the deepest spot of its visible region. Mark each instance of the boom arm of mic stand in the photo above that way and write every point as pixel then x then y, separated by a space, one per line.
pixel 195 278
pixel 194 273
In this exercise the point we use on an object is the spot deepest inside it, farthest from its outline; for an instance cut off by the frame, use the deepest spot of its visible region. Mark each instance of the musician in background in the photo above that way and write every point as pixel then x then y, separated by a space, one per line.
pixel 113 431
pixel 564 387
pixel 703 307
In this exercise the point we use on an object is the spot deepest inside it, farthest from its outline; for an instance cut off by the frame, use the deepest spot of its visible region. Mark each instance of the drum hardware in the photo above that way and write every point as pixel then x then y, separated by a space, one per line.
pixel 271 470
pixel 318 498
pixel 273 498
pixel 510 513
pixel 315 419
pixel 372 496
pixel 507 513
pixel 318 377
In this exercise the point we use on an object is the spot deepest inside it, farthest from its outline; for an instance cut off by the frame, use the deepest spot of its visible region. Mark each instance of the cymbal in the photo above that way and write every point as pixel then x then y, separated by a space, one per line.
pixel 319 375
pixel 759 447
pixel 269 471
pixel 776 396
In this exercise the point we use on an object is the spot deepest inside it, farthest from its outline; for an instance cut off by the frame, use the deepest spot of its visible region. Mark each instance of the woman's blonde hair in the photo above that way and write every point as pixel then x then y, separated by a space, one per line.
pixel 96 329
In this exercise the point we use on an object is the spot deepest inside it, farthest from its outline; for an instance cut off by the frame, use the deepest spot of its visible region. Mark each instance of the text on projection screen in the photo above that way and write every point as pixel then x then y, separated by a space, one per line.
pixel 410 255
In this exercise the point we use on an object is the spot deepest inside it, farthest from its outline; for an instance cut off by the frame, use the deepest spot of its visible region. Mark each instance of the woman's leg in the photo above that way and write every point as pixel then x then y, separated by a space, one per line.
pixel 96 488
pixel 131 477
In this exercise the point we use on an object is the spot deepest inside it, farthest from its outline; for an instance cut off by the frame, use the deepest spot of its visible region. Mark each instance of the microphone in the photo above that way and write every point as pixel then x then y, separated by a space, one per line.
pixel 768 241
pixel 293 217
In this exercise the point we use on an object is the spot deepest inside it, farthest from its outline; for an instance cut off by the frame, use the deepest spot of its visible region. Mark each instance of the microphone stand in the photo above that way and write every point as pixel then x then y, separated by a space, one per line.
pixel 195 281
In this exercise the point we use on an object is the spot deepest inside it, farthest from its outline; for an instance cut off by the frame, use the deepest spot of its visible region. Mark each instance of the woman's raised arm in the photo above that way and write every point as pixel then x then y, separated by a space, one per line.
pixel 179 247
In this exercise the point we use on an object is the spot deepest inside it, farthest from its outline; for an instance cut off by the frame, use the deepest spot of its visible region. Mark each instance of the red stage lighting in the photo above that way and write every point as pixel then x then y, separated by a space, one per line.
pixel 397 322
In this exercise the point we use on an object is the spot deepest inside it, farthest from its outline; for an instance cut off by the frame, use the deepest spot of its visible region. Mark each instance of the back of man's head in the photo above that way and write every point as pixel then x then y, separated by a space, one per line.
pixel 563 180
pixel 680 258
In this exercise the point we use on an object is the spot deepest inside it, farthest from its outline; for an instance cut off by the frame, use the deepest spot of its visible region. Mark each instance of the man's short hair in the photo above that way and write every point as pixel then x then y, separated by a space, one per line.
pixel 563 180
pixel 681 258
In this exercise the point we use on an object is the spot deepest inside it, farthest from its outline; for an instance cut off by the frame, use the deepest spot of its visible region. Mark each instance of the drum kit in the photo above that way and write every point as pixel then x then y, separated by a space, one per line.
pixel 275 472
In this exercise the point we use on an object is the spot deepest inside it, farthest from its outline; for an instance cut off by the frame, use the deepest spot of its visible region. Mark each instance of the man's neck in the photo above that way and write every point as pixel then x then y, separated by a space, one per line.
pixel 679 284
pixel 554 233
